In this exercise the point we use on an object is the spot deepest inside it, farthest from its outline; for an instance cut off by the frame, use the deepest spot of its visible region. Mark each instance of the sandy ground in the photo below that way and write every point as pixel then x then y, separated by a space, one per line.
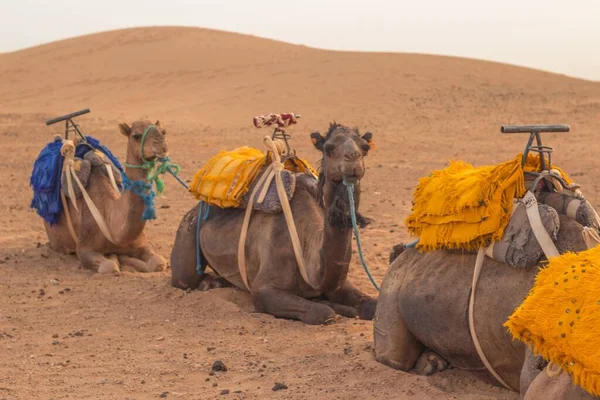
pixel 66 333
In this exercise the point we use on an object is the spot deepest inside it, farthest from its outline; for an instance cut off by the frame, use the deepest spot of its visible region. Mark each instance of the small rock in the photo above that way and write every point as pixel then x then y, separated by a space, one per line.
pixel 210 348
pixel 163 395
pixel 53 282
pixel 224 392
pixel 279 386
pixel 160 339
pixel 165 206
pixel 55 342
pixel 218 366
pixel 55 336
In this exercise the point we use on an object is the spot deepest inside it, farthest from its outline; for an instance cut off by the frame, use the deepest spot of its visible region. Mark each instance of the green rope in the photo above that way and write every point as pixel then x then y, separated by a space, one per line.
pixel 350 187
pixel 157 167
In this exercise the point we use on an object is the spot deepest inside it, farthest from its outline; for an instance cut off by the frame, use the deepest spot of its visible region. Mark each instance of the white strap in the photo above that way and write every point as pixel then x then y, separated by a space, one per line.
pixel 244 233
pixel 590 237
pixel 273 170
pixel 476 272
pixel 572 208
pixel 111 176
pixel 68 218
pixel 533 214
pixel 94 210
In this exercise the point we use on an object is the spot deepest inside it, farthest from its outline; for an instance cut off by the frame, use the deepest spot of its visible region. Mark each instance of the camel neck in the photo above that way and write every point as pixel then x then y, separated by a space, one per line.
pixel 336 246
pixel 130 206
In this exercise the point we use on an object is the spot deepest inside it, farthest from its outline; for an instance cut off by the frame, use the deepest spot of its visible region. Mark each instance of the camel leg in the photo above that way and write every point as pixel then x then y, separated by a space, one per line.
pixel 97 261
pixel 429 363
pixel 349 295
pixel 344 311
pixel 183 255
pixel 395 345
pixel 153 262
pixel 283 304
pixel 135 263
pixel 209 281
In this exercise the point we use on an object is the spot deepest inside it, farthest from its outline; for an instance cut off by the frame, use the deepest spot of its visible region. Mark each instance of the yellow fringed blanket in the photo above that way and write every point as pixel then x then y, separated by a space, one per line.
pixel 560 317
pixel 463 207
pixel 227 177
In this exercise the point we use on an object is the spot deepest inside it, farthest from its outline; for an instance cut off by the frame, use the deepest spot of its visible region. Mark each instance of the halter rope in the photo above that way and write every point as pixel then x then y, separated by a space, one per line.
pixel 350 187
pixel 154 172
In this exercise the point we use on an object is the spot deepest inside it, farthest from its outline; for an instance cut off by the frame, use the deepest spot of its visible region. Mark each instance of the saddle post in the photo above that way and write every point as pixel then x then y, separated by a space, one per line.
pixel 535 132
pixel 70 125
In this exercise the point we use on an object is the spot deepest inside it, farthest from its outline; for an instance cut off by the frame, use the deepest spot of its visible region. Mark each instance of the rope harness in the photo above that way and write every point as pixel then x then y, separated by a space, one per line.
pixel 273 171
pixel 141 188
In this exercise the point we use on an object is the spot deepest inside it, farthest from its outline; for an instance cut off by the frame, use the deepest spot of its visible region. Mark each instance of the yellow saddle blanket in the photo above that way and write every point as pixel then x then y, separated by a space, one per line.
pixel 560 317
pixel 464 207
pixel 227 177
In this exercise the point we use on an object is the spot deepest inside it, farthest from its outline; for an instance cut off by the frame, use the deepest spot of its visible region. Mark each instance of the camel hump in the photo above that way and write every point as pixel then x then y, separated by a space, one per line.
pixel 99 160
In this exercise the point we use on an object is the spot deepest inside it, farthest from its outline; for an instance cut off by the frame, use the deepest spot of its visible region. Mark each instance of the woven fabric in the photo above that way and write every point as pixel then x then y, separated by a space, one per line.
pixel 464 207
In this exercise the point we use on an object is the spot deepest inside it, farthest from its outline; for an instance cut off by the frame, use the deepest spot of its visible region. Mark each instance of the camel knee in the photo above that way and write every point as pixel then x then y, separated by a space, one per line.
pixel 393 352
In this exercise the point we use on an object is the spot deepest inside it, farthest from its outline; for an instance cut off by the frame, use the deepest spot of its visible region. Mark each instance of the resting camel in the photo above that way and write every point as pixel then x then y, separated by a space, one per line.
pixel 321 214
pixel 421 320
pixel 540 381
pixel 122 213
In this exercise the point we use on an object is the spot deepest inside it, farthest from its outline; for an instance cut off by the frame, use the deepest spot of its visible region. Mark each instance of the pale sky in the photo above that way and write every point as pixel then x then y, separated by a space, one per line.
pixel 560 36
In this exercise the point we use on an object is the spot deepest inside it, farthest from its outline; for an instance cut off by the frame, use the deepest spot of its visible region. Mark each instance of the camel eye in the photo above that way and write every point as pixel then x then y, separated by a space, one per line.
pixel 137 136
pixel 328 149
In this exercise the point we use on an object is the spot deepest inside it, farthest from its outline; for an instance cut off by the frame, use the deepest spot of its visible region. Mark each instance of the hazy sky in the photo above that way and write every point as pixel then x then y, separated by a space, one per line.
pixel 561 36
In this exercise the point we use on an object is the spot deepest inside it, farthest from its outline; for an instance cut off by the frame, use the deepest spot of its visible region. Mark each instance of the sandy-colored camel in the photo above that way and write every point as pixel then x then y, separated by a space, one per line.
pixel 123 214
pixel 421 320
pixel 321 214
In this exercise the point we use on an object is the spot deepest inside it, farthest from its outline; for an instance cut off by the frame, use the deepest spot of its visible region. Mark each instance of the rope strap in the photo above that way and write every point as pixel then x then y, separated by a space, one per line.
pixel 203 211
pixel 274 169
pixel 350 187
pixel 488 366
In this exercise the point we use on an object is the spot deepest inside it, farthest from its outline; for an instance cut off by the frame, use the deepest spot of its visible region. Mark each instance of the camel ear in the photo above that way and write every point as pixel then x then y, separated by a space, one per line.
pixel 160 128
pixel 368 137
pixel 317 140
pixel 125 129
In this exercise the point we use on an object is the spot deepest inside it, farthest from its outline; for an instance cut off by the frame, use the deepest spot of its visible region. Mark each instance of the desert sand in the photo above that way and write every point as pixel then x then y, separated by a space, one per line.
pixel 68 333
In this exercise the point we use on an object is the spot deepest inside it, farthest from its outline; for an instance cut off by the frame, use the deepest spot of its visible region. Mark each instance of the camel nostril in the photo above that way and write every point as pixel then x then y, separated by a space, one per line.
pixel 355 155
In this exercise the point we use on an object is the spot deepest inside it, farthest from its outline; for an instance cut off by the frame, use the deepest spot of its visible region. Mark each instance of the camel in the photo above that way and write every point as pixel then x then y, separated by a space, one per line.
pixel 123 214
pixel 421 320
pixel 541 381
pixel 321 214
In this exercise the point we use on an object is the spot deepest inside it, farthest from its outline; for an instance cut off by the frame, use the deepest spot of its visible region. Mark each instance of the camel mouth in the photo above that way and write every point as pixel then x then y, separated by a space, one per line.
pixel 352 178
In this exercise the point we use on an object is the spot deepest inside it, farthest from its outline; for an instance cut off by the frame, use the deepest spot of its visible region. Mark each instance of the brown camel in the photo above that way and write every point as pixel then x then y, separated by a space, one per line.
pixel 421 321
pixel 539 381
pixel 123 214
pixel 321 214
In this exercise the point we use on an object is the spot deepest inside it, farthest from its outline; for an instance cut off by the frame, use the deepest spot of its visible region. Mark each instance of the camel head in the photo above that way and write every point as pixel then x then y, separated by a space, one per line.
pixel 143 133
pixel 344 151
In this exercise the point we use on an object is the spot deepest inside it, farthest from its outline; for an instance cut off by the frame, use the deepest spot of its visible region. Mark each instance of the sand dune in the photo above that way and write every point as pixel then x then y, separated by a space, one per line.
pixel 205 86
